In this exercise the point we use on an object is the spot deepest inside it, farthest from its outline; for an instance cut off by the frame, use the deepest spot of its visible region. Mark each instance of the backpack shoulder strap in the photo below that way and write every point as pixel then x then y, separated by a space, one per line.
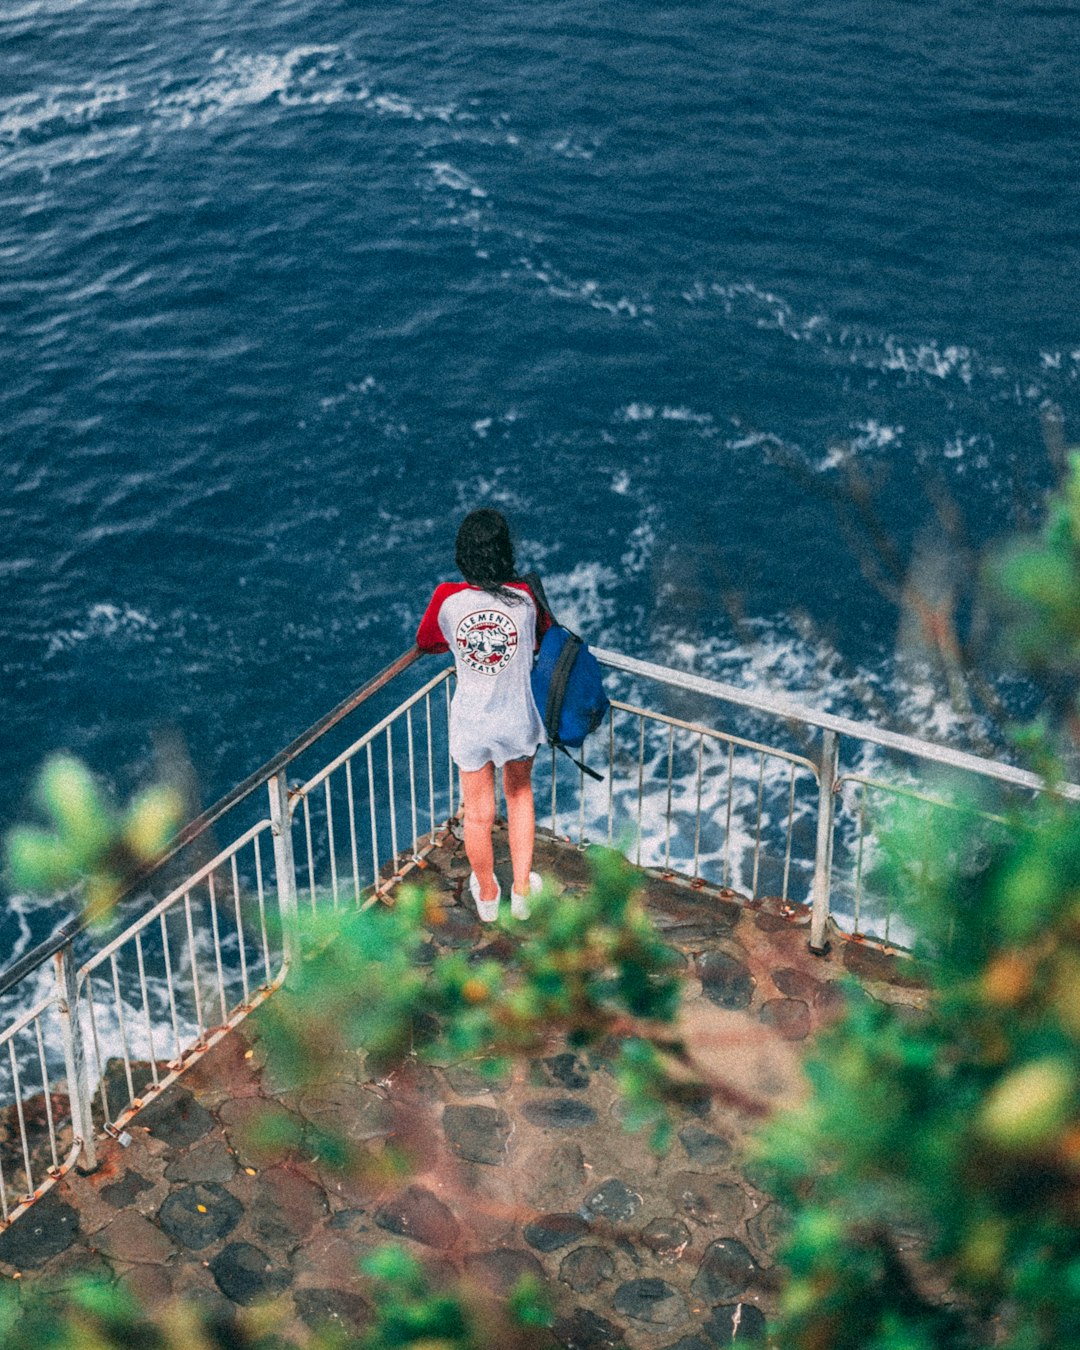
pixel 560 677
pixel 532 580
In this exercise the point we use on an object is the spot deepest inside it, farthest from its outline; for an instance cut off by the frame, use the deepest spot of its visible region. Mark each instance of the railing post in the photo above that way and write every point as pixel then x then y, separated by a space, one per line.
pixel 284 866
pixel 819 899
pixel 80 1092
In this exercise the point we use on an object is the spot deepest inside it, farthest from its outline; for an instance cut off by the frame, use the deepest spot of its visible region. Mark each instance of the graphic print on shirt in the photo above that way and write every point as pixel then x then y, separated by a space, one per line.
pixel 486 640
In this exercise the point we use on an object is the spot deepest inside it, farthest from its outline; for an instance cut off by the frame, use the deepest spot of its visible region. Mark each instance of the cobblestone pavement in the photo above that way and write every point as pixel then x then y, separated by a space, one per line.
pixel 530 1174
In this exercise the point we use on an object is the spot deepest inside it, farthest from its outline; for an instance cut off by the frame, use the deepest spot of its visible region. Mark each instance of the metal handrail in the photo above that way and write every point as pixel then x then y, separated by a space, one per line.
pixel 37 956
pixel 75 989
pixel 842 726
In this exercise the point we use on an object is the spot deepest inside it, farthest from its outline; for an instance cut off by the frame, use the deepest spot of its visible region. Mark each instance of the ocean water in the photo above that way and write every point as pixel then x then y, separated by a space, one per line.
pixel 287 289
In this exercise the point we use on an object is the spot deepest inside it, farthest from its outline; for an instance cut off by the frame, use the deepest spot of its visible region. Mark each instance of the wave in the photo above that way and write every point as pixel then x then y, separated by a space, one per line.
pixel 306 75
pixel 104 621
pixel 26 116
pixel 926 360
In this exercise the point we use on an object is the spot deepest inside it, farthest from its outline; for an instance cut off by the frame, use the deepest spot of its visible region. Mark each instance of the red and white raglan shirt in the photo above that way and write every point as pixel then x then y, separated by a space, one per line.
pixel 493 716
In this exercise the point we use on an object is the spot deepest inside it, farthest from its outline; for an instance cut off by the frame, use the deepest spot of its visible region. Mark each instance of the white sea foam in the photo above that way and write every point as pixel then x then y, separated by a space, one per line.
pixel 105 621
pixel 911 357
pixel 560 284
pixel 63 109
pixel 874 435
pixel 584 598
pixel 447 176
pixel 640 543
pixel 571 147
pixel 682 414
pixel 236 82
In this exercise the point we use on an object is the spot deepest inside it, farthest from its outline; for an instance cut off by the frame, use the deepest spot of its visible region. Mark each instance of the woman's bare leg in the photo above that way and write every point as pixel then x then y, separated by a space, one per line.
pixel 478 794
pixel 521 820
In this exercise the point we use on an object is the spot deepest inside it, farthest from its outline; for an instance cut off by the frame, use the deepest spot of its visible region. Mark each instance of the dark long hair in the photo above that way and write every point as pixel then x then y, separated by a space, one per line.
pixel 484 552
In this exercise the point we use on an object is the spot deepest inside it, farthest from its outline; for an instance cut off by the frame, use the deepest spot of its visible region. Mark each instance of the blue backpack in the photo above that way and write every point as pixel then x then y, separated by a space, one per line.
pixel 566 684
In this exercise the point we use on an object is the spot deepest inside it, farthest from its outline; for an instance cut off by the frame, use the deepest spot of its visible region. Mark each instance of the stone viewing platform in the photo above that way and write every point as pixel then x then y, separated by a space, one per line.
pixel 530 1174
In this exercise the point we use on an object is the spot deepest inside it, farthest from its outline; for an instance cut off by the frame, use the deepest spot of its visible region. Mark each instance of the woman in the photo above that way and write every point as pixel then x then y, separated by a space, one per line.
pixel 493 625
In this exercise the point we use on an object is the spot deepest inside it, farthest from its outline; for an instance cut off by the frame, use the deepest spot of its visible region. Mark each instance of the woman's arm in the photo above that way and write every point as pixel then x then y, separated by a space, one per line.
pixel 429 636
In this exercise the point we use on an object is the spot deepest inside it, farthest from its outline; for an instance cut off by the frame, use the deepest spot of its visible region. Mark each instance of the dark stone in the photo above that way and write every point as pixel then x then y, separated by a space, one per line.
pixel 652 1301
pixel 726 1269
pixel 830 999
pixel 499 949
pixel 603 1055
pixel 176 1118
pixel 586 1267
pixel 768 1227
pixel 624 1245
pixel 795 984
pixel 426 1027
pixel 132 1238
pixel 708 1198
pixel 200 1214
pixel 205 1162
pixel 568 1071
pixel 788 1016
pixel 570 865
pixel 736 1324
pixel 419 1215
pixel 702 1146
pixel 613 1200
pixel 689 1343
pixel 122 1193
pixel 551 1231
pixel 667 1239
pixel 349 1220
pixel 585 1330
pixel 332 1308
pixel 245 1274
pixel 468 1079
pixel 75 1267
pixel 501 1270
pixel 477 1133
pixel 559 1113
pixel 285 1208
pixel 725 981
pixel 45 1230
pixel 423 954
pixel 696 1100
pixel 870 963
pixel 459 927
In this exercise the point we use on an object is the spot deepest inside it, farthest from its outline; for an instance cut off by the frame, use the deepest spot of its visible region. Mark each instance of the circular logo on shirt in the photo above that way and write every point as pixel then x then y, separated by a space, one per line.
pixel 486 640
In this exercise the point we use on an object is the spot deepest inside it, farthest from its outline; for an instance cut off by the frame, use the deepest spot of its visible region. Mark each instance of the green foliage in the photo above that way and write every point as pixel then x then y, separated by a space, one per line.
pixel 942 1152
pixel 590 966
pixel 1039 580
pixel 411 1311
pixel 408 1309
pixel 89 842
pixel 91 1315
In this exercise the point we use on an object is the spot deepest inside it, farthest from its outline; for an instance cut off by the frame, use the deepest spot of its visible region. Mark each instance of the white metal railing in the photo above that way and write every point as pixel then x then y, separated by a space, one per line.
pixel 105 1036
pixel 708 795
pixel 833 819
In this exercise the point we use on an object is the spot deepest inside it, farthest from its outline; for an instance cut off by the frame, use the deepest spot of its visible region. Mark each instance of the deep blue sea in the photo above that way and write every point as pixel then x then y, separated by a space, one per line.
pixel 286 289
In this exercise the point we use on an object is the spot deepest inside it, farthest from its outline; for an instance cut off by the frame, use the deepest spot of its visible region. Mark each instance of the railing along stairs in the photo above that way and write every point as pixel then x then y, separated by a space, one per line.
pixel 737 793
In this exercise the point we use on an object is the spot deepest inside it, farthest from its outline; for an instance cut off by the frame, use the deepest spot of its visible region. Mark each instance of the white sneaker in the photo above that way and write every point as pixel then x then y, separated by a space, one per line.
pixel 487 909
pixel 519 904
